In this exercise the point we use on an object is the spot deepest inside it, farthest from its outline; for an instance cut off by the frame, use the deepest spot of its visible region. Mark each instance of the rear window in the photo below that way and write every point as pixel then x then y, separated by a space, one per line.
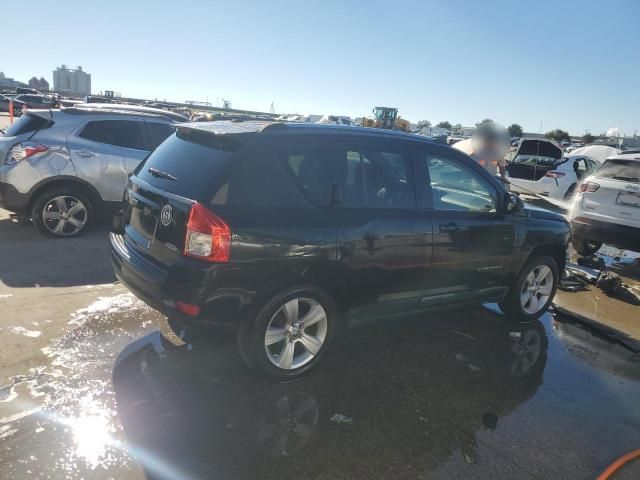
pixel 624 170
pixel 311 169
pixel 193 165
pixel 27 123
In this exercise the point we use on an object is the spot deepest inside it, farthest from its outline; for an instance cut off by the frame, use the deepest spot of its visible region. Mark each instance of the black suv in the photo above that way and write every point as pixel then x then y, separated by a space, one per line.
pixel 288 230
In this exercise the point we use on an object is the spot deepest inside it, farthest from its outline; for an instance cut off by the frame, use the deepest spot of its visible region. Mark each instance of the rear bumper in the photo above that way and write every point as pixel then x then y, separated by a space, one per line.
pixel 160 287
pixel 620 236
pixel 11 199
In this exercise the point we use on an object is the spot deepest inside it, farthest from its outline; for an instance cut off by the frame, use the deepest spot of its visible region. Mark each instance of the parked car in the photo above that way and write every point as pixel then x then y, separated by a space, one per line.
pixel 97 99
pixel 286 230
pixel 607 206
pixel 537 167
pixel 17 105
pixel 62 168
pixel 37 101
pixel 335 120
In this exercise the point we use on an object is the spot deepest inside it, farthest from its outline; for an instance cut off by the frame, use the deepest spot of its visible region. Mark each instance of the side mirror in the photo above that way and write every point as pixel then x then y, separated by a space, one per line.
pixel 513 203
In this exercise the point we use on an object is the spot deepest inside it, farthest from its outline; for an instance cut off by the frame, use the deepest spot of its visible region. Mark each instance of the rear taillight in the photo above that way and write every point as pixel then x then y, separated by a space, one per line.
pixel 555 174
pixel 208 237
pixel 24 150
pixel 588 187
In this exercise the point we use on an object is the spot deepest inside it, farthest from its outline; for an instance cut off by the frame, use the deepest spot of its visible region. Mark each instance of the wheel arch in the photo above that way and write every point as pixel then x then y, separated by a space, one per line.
pixel 555 251
pixel 67 181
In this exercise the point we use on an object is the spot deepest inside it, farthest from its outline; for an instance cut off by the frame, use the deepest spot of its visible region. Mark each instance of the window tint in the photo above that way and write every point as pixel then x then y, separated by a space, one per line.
pixel 27 123
pixel 311 168
pixel 377 178
pixel 456 187
pixel 193 166
pixel 121 133
pixel 624 170
pixel 158 133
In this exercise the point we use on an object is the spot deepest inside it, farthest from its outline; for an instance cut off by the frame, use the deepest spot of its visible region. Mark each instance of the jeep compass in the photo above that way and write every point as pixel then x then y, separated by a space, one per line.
pixel 286 231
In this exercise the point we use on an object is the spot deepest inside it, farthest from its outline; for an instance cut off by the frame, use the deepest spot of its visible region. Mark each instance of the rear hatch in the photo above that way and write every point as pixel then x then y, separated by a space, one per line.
pixel 23 129
pixel 160 194
pixel 617 195
pixel 532 159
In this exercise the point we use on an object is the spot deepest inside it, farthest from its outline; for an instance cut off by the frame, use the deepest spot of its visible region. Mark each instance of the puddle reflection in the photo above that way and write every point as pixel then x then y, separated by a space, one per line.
pixel 415 391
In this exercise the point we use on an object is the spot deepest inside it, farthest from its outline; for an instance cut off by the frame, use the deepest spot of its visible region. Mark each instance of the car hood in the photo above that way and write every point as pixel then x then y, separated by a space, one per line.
pixel 537 212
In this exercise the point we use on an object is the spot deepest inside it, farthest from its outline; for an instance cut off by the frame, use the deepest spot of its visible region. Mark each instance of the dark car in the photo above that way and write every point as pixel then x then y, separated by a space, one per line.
pixel 286 231
pixel 17 105
pixel 37 101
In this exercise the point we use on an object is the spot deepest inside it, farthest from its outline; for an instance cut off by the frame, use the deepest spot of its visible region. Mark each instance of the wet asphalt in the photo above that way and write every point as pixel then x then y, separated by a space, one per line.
pixel 462 394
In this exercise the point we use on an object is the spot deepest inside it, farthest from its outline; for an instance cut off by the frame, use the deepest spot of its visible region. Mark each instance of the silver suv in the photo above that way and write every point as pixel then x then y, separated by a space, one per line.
pixel 63 168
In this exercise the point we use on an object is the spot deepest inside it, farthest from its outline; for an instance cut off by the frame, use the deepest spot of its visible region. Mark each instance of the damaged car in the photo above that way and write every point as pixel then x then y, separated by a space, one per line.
pixel 285 231
pixel 537 166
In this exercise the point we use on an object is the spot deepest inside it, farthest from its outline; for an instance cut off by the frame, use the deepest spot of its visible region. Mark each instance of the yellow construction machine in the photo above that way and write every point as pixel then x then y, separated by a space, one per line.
pixel 386 117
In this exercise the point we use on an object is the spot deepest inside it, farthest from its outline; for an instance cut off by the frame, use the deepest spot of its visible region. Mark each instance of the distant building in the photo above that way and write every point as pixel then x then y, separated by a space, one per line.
pixel 70 81
pixel 41 84
pixel 6 82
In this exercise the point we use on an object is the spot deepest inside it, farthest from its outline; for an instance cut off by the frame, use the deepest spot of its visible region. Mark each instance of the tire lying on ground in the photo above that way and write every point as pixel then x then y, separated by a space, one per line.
pixel 62 212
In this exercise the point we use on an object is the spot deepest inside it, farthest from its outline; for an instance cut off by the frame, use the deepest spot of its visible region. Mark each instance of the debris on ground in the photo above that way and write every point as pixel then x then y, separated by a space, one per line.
pixel 339 418
pixel 596 263
pixel 611 284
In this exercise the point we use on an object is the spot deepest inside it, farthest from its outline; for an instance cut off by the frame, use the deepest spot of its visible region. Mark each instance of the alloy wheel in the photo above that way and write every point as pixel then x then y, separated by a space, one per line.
pixel 64 215
pixel 536 289
pixel 296 333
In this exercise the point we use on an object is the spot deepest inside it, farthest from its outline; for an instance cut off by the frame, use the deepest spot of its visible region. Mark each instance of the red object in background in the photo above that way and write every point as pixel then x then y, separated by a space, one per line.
pixel 11 111
pixel 188 308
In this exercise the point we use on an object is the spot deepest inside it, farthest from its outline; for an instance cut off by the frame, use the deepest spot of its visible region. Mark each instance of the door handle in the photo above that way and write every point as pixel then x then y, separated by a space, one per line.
pixel 84 154
pixel 450 227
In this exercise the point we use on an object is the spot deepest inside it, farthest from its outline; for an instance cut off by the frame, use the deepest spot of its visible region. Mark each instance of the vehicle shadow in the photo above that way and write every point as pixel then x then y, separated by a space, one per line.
pixel 28 259
pixel 391 400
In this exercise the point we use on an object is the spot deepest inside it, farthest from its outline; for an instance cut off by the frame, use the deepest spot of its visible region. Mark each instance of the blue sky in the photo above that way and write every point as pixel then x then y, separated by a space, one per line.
pixel 568 64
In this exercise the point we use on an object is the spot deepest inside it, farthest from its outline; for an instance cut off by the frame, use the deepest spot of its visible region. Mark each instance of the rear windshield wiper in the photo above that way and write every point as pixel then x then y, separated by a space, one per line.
pixel 159 173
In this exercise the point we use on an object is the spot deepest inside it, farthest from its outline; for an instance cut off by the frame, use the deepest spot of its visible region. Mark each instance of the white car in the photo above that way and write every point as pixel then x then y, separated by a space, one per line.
pixel 536 166
pixel 607 206
pixel 335 120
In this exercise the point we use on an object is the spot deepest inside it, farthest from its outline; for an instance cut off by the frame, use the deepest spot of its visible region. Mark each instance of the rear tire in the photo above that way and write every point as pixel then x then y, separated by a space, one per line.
pixel 584 246
pixel 290 334
pixel 533 290
pixel 62 212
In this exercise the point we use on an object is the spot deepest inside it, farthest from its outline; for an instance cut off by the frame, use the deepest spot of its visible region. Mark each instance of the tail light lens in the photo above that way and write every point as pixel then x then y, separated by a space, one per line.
pixel 555 174
pixel 24 150
pixel 588 187
pixel 208 237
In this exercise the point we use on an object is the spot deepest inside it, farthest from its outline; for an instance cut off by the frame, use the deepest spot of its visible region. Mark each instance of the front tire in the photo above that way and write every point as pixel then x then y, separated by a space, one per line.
pixel 290 334
pixel 584 246
pixel 533 290
pixel 61 212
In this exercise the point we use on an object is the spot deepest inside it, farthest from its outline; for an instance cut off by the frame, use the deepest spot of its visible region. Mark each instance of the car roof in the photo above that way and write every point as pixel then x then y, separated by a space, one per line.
pixel 230 127
pixel 112 108
pixel 625 156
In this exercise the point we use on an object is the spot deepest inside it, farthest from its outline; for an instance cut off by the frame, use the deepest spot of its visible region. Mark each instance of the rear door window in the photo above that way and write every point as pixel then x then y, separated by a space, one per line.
pixel 120 133
pixel 311 170
pixel 158 133
pixel 377 177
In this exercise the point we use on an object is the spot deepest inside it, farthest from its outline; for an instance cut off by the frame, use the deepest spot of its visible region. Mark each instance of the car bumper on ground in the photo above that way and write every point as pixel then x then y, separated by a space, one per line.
pixel 620 236
pixel 11 199
pixel 161 288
